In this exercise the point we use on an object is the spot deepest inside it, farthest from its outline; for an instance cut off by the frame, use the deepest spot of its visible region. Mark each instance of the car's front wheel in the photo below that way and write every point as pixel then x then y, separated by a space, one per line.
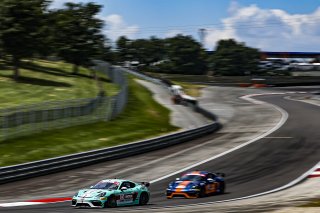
pixel 111 202
pixel 144 198
pixel 202 192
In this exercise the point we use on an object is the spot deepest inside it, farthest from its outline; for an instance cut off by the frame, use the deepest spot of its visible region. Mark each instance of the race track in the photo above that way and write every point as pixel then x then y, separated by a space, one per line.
pixel 264 165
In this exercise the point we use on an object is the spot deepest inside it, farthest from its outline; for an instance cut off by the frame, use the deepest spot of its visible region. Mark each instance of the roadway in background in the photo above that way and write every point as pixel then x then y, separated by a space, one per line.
pixel 266 164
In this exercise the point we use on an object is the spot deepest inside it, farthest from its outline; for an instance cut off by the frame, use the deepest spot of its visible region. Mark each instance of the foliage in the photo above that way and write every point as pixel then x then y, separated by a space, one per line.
pixel 180 54
pixel 233 59
pixel 21 28
pixel 185 55
pixel 314 203
pixel 75 34
pixel 148 51
pixel 44 81
pixel 78 34
pixel 123 49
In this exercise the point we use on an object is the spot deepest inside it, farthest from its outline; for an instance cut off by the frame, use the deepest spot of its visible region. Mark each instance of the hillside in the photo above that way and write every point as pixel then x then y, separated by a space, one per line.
pixel 50 81
pixel 43 81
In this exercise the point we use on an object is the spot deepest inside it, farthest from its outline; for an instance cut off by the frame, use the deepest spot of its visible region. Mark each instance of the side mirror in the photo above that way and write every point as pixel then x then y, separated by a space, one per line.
pixel 177 179
pixel 123 188
pixel 210 180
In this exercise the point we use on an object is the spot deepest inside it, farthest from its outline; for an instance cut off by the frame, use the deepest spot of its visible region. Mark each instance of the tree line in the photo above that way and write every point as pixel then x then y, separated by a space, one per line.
pixel 29 29
pixel 73 33
pixel 184 55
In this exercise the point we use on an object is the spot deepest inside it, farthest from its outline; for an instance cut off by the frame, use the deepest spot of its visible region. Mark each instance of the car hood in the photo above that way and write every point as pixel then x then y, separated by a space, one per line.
pixel 184 184
pixel 87 193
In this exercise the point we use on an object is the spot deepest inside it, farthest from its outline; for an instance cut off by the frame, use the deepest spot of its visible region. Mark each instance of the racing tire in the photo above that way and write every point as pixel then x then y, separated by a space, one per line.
pixel 144 199
pixel 202 193
pixel 111 202
pixel 222 188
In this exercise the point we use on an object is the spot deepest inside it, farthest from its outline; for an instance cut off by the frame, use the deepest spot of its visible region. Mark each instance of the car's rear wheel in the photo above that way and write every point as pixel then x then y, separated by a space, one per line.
pixel 144 198
pixel 111 202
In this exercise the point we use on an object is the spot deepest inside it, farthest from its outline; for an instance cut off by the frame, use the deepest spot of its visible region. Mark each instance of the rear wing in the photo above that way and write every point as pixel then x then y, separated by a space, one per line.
pixel 147 184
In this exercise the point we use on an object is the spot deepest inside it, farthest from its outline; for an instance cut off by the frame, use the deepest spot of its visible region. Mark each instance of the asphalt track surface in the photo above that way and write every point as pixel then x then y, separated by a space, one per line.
pixel 264 165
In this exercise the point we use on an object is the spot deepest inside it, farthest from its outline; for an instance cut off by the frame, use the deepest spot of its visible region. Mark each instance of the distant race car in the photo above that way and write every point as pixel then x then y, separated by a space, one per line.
pixel 196 184
pixel 112 193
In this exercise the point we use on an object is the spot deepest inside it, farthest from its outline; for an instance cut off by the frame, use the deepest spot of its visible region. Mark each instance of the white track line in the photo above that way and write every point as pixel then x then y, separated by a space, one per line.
pixel 14 204
pixel 163 158
pixel 281 122
pixel 292 183
pixel 303 101
pixel 279 137
pixel 284 117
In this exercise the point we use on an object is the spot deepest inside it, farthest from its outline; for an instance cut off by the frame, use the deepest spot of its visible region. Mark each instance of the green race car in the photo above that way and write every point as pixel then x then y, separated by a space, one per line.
pixel 112 193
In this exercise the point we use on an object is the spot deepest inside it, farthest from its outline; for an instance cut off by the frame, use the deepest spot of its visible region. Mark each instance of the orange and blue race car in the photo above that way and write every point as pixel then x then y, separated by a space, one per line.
pixel 196 184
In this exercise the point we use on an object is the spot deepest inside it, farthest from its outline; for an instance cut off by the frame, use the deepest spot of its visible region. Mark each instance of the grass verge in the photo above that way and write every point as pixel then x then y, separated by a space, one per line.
pixel 315 203
pixel 142 118
pixel 48 81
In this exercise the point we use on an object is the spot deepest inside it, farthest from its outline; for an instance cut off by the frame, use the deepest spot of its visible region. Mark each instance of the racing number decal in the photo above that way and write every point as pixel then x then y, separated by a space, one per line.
pixel 125 198
pixel 128 197
pixel 211 187
pixel 121 197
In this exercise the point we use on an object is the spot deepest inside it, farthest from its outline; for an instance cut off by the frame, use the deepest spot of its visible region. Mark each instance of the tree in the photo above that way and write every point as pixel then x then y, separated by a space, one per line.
pixel 78 35
pixel 124 49
pixel 148 51
pixel 232 58
pixel 180 54
pixel 105 53
pixel 21 24
pixel 185 56
pixel 145 51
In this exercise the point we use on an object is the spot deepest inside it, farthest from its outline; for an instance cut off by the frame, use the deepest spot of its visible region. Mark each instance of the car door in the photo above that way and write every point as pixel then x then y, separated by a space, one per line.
pixel 126 195
pixel 211 184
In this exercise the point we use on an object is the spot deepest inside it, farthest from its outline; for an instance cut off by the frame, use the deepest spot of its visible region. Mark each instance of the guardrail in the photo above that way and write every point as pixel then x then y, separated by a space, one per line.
pixel 58 164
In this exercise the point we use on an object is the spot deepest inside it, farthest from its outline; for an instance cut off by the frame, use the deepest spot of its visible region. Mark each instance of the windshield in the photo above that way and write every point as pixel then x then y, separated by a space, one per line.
pixel 106 185
pixel 192 178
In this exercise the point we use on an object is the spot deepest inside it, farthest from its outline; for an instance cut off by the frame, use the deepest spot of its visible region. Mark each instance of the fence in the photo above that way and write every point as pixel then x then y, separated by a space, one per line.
pixel 30 119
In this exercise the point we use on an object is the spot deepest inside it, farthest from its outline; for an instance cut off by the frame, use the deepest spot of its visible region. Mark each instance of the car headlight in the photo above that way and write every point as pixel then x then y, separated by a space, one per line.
pixel 76 194
pixel 195 187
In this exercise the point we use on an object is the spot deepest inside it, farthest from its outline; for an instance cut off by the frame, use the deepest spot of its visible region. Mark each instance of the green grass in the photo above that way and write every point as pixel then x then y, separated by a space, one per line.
pixel 142 118
pixel 48 81
pixel 315 203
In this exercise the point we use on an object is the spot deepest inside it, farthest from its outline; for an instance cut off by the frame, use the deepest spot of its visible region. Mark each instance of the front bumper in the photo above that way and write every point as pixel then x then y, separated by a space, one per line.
pixel 87 202
pixel 190 194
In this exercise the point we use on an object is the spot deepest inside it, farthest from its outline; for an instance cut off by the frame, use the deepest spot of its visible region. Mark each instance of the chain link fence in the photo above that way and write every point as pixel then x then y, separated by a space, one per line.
pixel 30 119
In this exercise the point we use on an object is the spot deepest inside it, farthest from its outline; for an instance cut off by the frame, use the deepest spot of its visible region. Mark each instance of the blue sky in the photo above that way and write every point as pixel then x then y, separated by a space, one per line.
pixel 273 25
